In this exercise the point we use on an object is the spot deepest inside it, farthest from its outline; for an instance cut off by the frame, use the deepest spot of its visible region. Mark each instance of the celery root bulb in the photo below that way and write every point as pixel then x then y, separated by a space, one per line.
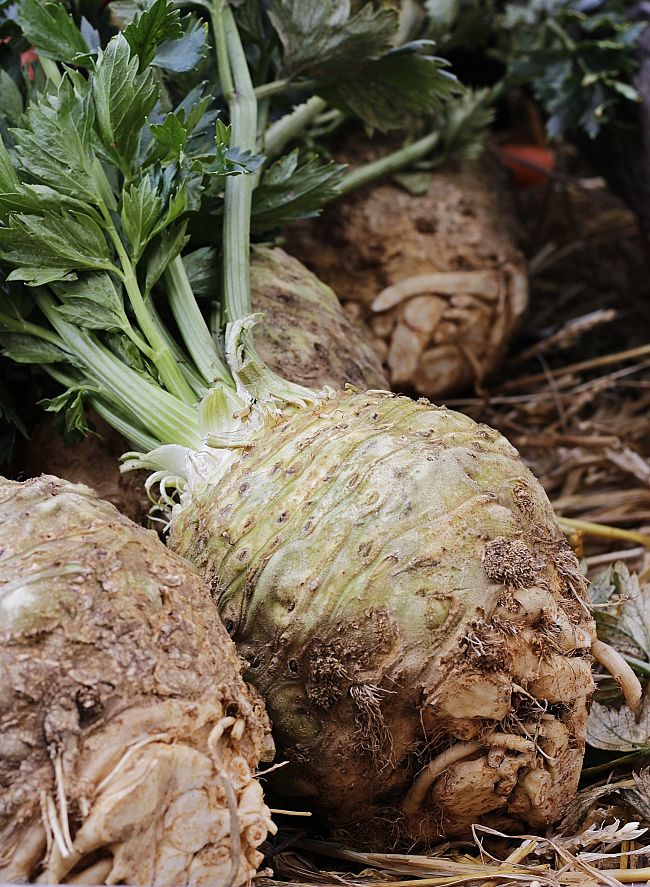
pixel 127 735
pixel 410 611
pixel 436 277
pixel 305 335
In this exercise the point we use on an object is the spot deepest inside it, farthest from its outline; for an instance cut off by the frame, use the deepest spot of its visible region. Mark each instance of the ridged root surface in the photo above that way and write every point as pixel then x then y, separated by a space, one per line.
pixel 128 739
pixel 305 335
pixel 409 609
pixel 436 278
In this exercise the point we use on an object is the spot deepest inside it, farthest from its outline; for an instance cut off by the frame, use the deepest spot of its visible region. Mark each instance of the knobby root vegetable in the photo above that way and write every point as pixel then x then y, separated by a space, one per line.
pixel 304 334
pixel 409 609
pixel 128 739
pixel 436 277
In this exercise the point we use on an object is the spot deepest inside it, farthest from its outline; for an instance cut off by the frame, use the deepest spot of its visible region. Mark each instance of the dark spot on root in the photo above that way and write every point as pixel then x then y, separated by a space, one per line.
pixel 510 562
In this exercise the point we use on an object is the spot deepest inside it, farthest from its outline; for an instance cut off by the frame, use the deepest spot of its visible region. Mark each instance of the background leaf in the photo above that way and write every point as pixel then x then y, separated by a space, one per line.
pixel 392 91
pixel 51 30
pixel 157 24
pixel 322 38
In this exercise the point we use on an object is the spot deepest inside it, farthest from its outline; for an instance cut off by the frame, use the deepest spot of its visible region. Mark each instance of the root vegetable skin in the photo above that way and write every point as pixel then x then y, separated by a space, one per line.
pixel 304 335
pixel 125 726
pixel 394 576
pixel 437 277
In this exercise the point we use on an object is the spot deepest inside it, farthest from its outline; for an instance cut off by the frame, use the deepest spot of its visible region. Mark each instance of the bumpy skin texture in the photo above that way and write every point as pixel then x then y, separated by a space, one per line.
pixel 436 277
pixel 127 736
pixel 397 581
pixel 306 336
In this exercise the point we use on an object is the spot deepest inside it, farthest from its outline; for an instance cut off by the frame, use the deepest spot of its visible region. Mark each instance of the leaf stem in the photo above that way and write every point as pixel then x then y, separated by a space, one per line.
pixel 192 326
pixel 171 420
pixel 14 325
pixel 391 163
pixel 238 89
pixel 170 373
pixel 282 131
pixel 278 86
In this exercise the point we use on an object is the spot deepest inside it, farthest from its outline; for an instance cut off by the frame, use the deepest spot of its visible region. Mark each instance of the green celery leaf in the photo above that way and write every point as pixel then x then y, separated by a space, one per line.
pixel 11 101
pixel 92 302
pixel 293 188
pixel 184 54
pixel 162 251
pixel 51 30
pixel 140 213
pixel 394 90
pixel 123 98
pixel 41 275
pixel 8 178
pixel 67 242
pixel 324 39
pixel 464 125
pixel 55 144
pixel 69 407
pixel 152 27
pixel 23 348
pixel 203 272
pixel 195 109
pixel 130 355
pixel 171 135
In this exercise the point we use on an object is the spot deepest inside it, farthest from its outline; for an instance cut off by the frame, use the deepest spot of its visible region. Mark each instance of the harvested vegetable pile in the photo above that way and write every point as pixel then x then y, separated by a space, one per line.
pixel 129 739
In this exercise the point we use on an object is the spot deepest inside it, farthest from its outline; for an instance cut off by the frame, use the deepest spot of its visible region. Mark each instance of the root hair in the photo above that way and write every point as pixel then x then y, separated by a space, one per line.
pixel 375 736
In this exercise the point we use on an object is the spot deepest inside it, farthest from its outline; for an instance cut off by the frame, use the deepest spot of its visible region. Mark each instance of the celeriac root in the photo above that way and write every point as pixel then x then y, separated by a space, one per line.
pixel 424 780
pixel 128 739
pixel 612 661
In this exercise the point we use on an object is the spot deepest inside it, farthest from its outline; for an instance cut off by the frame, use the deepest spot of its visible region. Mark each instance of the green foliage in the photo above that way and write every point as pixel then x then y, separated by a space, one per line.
pixel 93 303
pixel 11 101
pixel 23 348
pixel 187 51
pixel 579 58
pixel 48 26
pixel 54 143
pixel 293 188
pixel 393 91
pixel 324 38
pixel 151 27
pixel 123 98
pixel 96 186
pixel 202 269
pixel 68 408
